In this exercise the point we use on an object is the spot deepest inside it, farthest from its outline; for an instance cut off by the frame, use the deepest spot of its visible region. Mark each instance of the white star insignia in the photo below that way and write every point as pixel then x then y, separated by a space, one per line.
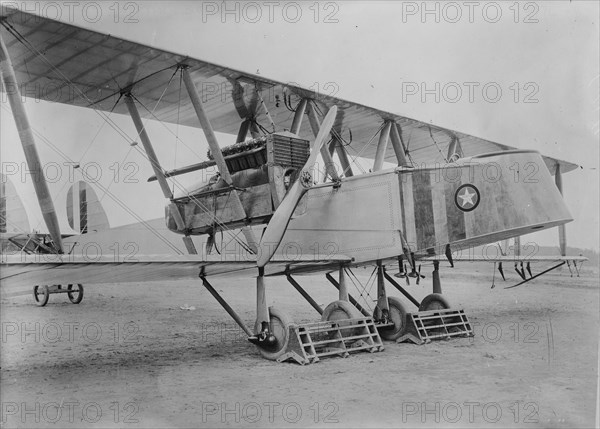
pixel 467 198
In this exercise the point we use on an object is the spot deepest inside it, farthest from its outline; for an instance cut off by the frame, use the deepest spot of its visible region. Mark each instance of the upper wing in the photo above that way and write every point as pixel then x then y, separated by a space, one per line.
pixel 63 63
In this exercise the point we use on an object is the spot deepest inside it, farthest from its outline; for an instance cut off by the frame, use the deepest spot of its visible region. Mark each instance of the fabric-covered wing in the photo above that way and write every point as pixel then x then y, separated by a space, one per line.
pixel 99 67
pixel 508 258
pixel 20 273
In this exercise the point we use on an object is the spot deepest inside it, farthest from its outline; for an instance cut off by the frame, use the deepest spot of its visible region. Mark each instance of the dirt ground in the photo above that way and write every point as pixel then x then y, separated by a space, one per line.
pixel 130 356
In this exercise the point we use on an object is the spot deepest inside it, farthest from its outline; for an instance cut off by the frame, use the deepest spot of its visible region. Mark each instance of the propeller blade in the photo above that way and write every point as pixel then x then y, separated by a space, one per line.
pixel 520 272
pixel 449 255
pixel 501 271
pixel 281 218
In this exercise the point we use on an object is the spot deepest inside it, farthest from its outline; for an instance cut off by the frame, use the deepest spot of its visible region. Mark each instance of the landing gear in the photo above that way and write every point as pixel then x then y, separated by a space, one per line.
pixel 272 325
pixel 397 316
pixel 273 339
pixel 342 309
pixel 389 312
pixel 339 310
pixel 271 329
pixel 434 301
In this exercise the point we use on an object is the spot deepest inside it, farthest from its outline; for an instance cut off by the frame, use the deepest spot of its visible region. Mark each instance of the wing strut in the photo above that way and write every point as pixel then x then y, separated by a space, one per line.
pixel 384 137
pixel 337 146
pixel 143 135
pixel 398 146
pixel 454 150
pixel 215 149
pixel 28 142
pixel 300 110
pixel 562 233
pixel 158 172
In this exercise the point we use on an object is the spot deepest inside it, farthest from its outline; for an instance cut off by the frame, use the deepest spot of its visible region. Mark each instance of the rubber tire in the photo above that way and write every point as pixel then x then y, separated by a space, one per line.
pixel 434 301
pixel 75 299
pixel 45 295
pixel 339 310
pixel 398 316
pixel 279 325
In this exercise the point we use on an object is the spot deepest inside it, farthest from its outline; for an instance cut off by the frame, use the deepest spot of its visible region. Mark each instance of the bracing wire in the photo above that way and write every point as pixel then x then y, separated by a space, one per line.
pixel 106 117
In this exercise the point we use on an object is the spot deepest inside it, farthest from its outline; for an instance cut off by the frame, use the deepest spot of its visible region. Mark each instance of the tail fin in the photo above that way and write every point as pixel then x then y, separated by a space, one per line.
pixel 13 217
pixel 84 210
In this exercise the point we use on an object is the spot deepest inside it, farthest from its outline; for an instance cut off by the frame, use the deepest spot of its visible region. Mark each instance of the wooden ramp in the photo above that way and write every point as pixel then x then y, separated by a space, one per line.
pixel 311 341
pixel 424 326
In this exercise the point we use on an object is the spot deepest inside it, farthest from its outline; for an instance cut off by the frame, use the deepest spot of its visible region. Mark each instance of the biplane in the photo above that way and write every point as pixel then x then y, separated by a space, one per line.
pixel 430 193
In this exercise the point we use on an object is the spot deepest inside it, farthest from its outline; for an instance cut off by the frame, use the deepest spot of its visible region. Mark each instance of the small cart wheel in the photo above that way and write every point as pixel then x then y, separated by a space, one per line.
pixel 41 295
pixel 76 296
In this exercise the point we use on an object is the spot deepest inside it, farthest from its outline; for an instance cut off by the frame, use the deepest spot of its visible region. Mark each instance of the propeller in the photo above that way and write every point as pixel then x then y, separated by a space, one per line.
pixel 520 272
pixel 419 275
pixel 402 273
pixel 281 218
pixel 416 273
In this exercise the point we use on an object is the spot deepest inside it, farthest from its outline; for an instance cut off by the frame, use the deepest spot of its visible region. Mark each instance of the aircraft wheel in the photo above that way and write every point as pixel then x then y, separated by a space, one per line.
pixel 340 310
pixel 434 301
pixel 76 296
pixel 279 325
pixel 398 317
pixel 41 295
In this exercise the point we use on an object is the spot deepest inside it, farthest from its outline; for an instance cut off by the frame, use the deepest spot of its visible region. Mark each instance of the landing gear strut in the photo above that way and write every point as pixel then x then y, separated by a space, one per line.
pixel 435 300
pixel 272 325
pixel 389 312
pixel 273 338
pixel 271 329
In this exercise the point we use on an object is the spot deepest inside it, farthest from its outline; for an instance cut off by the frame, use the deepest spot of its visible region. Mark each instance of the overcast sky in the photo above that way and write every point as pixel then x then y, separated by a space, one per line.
pixel 543 55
